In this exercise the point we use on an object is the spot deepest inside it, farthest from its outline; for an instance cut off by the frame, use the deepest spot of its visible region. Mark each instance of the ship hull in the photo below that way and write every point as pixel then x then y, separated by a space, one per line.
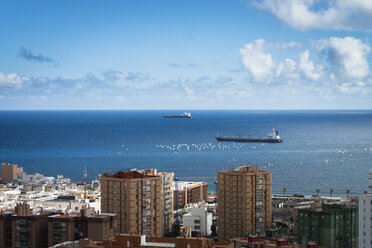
pixel 176 116
pixel 247 140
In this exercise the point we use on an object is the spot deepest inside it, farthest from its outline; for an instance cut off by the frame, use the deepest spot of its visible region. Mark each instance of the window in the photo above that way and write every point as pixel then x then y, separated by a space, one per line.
pixel 145 219
pixel 258 203
pixel 259 214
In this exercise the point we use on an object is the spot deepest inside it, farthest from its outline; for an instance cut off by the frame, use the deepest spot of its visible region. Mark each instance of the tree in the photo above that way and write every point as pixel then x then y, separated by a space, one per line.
pixel 284 190
pixel 214 230
pixel 365 192
pixel 176 227
pixel 317 192
pixel 331 192
pixel 347 193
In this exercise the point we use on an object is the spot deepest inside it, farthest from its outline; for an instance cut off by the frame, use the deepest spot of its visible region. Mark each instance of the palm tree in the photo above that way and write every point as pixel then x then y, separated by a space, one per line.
pixel 331 192
pixel 347 193
pixel 365 192
pixel 317 192
pixel 284 190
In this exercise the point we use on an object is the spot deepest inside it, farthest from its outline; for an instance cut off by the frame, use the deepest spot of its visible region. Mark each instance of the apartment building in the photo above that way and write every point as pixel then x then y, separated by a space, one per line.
pixel 333 225
pixel 365 216
pixel 24 227
pixel 77 225
pixel 189 192
pixel 142 200
pixel 244 201
pixel 9 172
pixel 199 220
pixel 167 182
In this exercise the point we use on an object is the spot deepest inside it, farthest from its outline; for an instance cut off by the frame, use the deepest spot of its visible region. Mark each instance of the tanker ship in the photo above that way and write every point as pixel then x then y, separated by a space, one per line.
pixel 273 137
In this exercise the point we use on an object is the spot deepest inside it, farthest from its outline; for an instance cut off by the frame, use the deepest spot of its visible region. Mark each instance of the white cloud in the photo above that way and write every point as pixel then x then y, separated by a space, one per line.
pixel 128 76
pixel 344 69
pixel 257 60
pixel 307 66
pixel 287 70
pixel 12 79
pixel 309 14
pixel 356 4
pixel 347 56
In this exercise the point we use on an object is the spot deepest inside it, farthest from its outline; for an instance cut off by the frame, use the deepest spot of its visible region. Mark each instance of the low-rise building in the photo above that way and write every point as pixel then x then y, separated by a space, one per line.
pixel 68 203
pixel 199 220
pixel 137 241
pixel 257 242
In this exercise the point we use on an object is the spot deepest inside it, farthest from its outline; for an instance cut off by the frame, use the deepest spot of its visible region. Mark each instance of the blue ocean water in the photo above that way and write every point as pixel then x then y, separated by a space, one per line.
pixel 321 149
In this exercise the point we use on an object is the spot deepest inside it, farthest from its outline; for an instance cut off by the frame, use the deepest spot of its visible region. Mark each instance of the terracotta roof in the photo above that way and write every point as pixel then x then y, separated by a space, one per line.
pixel 129 175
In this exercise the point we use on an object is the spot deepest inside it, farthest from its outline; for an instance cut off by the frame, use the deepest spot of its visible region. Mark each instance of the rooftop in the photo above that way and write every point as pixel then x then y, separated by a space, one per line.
pixel 129 175
pixel 182 185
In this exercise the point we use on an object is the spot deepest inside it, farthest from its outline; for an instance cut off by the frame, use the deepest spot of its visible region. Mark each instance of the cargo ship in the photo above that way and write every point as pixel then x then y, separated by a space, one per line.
pixel 273 137
pixel 184 115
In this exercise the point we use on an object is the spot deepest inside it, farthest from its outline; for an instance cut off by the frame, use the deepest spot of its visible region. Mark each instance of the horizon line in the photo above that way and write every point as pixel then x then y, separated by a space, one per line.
pixel 187 109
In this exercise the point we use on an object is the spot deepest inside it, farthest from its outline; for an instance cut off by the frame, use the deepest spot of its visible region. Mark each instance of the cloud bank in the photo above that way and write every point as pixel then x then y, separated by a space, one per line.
pixel 341 63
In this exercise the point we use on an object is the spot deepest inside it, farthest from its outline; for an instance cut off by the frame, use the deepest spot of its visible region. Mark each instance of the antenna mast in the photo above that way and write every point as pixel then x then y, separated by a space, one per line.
pixel 85 182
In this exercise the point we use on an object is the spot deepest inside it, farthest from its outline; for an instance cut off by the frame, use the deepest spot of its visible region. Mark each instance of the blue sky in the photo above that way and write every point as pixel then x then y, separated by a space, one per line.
pixel 264 54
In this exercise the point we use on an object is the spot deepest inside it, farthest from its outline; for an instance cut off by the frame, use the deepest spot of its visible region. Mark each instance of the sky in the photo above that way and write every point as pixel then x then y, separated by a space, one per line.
pixel 202 54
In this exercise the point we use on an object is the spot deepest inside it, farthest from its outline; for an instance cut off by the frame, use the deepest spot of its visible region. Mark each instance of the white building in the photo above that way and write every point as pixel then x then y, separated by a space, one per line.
pixel 365 215
pixel 199 220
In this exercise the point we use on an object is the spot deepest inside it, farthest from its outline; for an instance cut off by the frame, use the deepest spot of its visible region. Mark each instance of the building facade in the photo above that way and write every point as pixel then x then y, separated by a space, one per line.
pixel 244 201
pixel 77 225
pixel 189 192
pixel 167 184
pixel 23 227
pixel 365 216
pixel 9 172
pixel 134 241
pixel 199 220
pixel 330 225
pixel 141 199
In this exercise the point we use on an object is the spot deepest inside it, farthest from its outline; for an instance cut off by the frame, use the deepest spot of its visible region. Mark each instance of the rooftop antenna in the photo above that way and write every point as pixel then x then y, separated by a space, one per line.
pixel 85 182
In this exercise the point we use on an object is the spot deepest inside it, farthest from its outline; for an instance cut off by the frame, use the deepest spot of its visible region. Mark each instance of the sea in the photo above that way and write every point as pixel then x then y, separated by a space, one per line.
pixel 321 149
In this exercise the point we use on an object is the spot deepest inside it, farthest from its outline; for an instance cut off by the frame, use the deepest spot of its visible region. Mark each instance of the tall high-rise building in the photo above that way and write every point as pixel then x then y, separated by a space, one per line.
pixel 167 182
pixel 365 216
pixel 143 201
pixel 244 201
